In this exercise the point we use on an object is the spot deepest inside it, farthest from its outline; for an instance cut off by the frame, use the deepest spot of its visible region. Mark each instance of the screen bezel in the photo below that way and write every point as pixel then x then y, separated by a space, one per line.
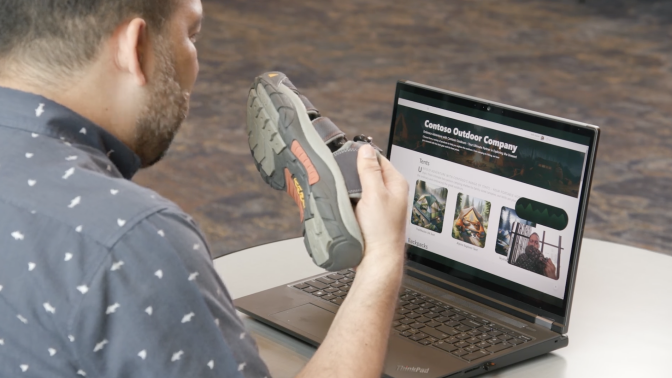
pixel 559 314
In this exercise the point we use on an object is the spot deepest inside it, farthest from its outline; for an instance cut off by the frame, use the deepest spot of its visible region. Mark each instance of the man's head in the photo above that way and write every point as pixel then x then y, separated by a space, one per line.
pixel 128 65
pixel 534 240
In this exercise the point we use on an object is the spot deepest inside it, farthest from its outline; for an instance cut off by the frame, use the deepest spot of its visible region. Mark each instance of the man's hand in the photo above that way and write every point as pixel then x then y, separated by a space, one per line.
pixel 549 269
pixel 381 212
pixel 357 340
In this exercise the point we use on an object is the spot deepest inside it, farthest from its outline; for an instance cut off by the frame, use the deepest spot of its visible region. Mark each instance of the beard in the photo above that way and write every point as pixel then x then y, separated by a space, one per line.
pixel 166 107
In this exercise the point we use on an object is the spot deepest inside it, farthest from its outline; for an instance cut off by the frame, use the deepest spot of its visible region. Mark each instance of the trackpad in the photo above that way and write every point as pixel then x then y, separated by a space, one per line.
pixel 308 318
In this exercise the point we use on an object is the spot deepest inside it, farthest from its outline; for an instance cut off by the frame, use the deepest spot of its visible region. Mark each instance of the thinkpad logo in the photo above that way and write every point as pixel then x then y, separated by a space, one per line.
pixel 409 369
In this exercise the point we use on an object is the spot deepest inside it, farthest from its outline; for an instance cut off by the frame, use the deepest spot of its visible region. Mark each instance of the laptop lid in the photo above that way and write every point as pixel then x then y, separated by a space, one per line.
pixel 497 200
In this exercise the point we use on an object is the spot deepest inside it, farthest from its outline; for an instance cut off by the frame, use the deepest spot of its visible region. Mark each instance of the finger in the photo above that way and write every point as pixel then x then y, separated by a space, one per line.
pixel 370 173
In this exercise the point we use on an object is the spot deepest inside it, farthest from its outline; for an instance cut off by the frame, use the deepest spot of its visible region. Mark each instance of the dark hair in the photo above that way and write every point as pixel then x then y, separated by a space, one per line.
pixel 63 36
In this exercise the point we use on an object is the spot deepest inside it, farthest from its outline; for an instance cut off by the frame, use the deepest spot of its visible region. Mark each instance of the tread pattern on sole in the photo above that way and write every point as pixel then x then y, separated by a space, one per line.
pixel 322 231
pixel 264 140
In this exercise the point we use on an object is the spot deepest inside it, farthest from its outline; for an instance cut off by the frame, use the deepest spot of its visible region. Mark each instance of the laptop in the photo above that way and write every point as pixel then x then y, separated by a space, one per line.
pixel 497 203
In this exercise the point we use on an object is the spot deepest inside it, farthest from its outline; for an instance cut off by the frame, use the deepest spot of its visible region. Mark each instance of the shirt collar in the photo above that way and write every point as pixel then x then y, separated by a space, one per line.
pixel 39 115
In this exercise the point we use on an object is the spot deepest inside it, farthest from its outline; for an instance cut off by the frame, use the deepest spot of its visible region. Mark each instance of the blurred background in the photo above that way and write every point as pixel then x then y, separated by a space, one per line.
pixel 605 62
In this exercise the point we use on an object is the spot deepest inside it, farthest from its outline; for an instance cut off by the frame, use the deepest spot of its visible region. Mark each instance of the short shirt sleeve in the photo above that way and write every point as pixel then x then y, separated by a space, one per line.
pixel 156 308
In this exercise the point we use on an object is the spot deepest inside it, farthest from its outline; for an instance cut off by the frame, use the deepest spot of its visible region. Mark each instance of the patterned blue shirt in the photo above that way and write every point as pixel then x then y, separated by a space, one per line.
pixel 100 277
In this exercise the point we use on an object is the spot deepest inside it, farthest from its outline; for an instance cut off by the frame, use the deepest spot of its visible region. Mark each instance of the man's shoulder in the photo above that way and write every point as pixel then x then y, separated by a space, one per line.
pixel 82 192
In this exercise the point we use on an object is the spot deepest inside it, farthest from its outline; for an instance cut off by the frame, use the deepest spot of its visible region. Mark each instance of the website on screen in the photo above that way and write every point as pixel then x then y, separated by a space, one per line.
pixel 493 197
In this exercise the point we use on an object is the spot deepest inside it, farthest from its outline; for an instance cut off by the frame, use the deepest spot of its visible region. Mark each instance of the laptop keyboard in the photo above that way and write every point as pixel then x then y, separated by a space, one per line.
pixel 428 321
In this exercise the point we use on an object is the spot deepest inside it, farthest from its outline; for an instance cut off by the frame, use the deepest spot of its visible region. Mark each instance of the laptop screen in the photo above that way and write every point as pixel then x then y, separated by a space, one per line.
pixel 495 193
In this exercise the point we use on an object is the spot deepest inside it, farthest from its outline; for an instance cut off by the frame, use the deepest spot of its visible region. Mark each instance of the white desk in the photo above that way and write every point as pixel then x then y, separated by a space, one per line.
pixel 621 322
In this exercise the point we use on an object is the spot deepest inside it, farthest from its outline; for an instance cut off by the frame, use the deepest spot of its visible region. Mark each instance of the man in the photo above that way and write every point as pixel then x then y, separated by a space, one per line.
pixel 102 278
pixel 534 261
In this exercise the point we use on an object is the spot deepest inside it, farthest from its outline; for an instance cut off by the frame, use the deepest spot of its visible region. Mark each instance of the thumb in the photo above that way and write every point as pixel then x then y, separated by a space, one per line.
pixel 370 173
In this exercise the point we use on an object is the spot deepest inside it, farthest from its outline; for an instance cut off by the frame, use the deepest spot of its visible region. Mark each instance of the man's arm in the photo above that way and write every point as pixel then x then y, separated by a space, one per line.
pixel 357 340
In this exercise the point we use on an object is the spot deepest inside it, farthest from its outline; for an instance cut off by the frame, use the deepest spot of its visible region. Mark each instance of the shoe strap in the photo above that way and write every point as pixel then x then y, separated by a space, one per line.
pixel 310 108
pixel 327 130
pixel 346 158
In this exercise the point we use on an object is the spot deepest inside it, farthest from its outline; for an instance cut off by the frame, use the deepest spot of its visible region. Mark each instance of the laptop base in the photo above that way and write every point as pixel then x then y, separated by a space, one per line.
pixel 307 317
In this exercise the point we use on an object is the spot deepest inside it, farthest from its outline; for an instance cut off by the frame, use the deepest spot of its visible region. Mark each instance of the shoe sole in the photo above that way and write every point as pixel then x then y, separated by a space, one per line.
pixel 291 156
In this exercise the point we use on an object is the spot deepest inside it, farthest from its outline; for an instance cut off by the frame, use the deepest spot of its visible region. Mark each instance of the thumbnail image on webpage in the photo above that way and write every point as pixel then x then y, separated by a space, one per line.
pixel 471 220
pixel 429 206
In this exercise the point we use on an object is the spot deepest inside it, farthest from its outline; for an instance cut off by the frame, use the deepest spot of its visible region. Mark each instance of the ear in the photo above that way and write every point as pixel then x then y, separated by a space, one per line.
pixel 132 50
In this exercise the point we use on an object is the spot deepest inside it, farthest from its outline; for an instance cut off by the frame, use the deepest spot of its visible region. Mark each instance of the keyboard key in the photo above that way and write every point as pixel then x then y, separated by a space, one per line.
pixel 452 340
pixel 432 339
pixel 337 301
pixel 319 293
pixel 475 355
pixel 337 284
pixel 417 325
pixel 413 315
pixel 396 316
pixel 459 352
pixel 442 319
pixel 310 289
pixel 515 341
pixel 452 323
pixel 425 342
pixel 350 275
pixel 345 280
pixel 404 327
pixel 436 309
pixel 523 337
pixel 447 313
pixel 505 337
pixel 431 315
pixel 494 341
pixel 463 336
pixel 422 319
pixel 345 288
pixel 473 340
pixel 474 332
pixel 494 333
pixel 411 307
pixel 472 348
pixel 402 303
pixel 458 318
pixel 329 297
pixel 445 346
pixel 325 280
pixel 434 333
pixel 432 323
pixel 331 290
pixel 462 344
pixel 301 286
pixel 418 336
pixel 471 323
pixel 317 284
pixel 483 344
pixel 483 336
pixel 340 293
pixel 447 330
pixel 395 323
pixel 407 334
pixel 403 311
pixel 463 328
pixel 344 272
pixel 484 329
pixel 407 321
pixel 498 347
pixel 336 276
pixel 421 310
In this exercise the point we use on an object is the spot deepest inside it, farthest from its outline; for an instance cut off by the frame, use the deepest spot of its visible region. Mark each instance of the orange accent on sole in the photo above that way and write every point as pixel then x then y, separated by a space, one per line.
pixel 298 151
pixel 295 191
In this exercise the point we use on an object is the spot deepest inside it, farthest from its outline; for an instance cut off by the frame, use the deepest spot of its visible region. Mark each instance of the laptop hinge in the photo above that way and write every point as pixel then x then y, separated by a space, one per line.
pixel 546 323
